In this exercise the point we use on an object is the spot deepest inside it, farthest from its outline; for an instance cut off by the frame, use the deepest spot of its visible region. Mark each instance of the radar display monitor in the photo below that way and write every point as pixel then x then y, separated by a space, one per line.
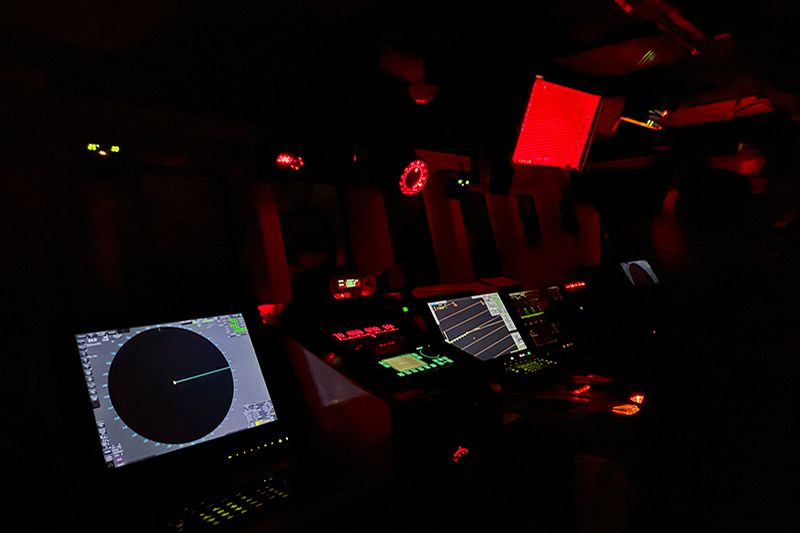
pixel 640 273
pixel 479 325
pixel 163 387
pixel 539 312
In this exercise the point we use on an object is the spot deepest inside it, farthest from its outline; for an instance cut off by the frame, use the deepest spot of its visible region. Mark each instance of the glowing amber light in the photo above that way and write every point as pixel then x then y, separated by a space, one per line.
pixel 636 397
pixel 414 177
pixel 625 409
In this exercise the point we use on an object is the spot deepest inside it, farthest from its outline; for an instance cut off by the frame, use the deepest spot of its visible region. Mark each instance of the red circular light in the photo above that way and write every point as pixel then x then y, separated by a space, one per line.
pixel 414 177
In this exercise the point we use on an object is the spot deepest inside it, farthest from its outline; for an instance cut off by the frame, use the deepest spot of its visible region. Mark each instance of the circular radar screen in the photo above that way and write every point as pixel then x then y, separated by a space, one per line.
pixel 170 385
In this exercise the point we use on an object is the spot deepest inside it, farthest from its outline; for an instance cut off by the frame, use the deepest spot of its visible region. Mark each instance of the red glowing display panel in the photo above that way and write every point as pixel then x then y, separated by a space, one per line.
pixel 557 126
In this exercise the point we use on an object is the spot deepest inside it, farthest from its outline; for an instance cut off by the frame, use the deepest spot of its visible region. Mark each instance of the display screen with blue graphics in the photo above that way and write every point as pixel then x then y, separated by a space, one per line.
pixel 163 387
pixel 479 325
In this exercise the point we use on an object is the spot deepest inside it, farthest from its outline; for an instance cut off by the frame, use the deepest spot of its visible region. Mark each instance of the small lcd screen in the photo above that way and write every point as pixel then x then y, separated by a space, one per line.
pixel 163 387
pixel 537 312
pixel 349 283
pixel 404 362
pixel 639 273
pixel 479 325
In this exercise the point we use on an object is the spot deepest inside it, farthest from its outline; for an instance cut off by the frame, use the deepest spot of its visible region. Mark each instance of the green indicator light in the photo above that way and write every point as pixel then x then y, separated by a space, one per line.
pixel 405 309
pixel 115 148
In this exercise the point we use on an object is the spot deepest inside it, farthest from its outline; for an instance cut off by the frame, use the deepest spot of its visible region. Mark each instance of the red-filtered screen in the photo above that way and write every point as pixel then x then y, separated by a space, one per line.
pixel 557 126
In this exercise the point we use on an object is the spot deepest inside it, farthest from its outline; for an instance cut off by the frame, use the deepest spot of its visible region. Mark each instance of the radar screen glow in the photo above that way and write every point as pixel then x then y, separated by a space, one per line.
pixel 163 387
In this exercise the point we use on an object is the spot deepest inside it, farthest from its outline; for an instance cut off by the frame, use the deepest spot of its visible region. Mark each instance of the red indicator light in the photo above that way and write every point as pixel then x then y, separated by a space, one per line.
pixel 333 360
pixel 373 331
pixel 461 452
pixel 341 295
pixel 414 177
pixel 289 161
pixel 575 286
pixel 582 389
pixel 557 125
pixel 625 6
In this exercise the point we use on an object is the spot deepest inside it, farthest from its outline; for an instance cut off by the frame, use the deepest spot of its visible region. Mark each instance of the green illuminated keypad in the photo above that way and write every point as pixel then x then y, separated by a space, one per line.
pixel 425 364
pixel 528 366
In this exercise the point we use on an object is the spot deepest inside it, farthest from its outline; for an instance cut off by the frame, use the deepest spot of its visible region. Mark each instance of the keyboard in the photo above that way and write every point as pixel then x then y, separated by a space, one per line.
pixel 251 499
pixel 527 366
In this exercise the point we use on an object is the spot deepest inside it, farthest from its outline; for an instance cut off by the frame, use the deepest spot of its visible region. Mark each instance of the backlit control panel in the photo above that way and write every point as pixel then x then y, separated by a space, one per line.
pixel 416 362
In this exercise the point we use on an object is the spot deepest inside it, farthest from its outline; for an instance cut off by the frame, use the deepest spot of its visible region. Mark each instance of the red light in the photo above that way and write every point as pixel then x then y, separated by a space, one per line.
pixel 582 389
pixel 556 128
pixel 373 331
pixel 341 295
pixel 625 6
pixel 414 177
pixel 575 286
pixel 461 452
pixel 288 160
pixel 330 357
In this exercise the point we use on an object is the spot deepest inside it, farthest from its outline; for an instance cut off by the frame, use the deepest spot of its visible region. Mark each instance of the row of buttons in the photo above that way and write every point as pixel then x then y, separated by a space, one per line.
pixel 437 362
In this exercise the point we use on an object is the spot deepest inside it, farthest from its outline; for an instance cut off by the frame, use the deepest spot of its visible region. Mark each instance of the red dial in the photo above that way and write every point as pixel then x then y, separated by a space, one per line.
pixel 414 177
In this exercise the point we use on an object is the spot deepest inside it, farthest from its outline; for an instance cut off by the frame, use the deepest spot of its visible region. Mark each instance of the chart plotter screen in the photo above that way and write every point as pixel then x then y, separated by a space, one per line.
pixel 163 387
pixel 479 325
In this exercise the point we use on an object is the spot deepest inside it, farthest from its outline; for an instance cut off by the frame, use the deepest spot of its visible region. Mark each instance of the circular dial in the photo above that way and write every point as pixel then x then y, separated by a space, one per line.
pixel 414 177
pixel 170 385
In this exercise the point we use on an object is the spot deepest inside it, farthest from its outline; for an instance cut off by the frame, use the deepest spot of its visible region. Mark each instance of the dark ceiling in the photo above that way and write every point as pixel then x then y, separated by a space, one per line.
pixel 308 73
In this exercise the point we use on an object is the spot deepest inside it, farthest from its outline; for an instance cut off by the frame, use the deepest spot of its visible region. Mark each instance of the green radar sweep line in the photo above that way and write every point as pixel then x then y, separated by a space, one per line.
pixel 174 382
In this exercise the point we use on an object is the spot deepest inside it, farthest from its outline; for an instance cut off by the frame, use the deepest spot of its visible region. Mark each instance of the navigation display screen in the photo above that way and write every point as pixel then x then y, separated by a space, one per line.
pixel 479 325
pixel 538 311
pixel 163 387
